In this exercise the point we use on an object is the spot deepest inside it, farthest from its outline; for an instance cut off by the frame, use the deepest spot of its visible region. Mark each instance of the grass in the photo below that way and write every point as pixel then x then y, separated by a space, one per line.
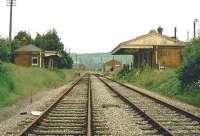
pixel 17 82
pixel 164 82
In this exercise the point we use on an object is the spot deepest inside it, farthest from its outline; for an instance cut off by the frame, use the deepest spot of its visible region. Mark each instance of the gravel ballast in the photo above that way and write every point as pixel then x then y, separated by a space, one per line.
pixel 115 112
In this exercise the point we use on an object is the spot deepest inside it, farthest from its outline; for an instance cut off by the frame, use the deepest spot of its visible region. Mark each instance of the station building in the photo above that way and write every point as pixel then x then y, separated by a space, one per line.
pixel 153 49
pixel 30 55
pixel 112 65
pixel 82 67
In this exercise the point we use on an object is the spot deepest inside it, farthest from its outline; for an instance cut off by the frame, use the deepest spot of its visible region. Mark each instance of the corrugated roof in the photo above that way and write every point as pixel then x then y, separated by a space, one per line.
pixel 148 41
pixel 28 48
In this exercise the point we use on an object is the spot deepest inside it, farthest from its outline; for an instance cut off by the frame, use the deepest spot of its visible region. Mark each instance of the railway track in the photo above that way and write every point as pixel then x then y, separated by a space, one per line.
pixel 71 114
pixel 157 115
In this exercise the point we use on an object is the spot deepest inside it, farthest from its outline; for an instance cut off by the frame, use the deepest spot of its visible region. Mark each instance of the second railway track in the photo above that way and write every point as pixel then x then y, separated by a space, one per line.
pixel 168 119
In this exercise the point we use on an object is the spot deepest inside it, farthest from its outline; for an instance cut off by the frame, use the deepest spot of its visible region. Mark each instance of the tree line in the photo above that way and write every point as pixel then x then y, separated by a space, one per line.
pixel 48 41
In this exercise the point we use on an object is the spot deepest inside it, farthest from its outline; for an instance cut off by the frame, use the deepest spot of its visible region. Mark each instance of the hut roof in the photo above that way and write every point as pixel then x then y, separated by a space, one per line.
pixel 146 41
pixel 28 48
pixel 113 62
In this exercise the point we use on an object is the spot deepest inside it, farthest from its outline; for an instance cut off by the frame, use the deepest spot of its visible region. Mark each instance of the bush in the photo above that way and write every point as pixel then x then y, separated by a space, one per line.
pixel 65 61
pixel 189 73
pixel 5 50
pixel 7 85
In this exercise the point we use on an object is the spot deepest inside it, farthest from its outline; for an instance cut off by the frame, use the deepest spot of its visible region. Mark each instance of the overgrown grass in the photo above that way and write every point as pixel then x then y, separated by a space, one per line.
pixel 164 82
pixel 17 82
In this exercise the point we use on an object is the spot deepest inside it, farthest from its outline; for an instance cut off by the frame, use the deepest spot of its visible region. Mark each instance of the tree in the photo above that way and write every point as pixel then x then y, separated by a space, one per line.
pixel 49 41
pixel 5 50
pixel 65 61
pixel 189 73
pixel 22 38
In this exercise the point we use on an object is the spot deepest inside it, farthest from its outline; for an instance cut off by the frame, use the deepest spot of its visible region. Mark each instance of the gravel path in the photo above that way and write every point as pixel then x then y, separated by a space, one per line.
pixel 115 111
pixel 40 101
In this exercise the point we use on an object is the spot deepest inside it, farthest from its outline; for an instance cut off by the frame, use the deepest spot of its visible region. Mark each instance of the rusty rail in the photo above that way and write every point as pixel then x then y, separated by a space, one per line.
pixel 89 118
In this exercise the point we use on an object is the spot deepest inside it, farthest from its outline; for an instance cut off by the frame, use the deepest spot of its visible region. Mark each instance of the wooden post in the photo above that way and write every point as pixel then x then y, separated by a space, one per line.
pixel 138 60
pixel 40 59
pixel 52 64
pixel 156 56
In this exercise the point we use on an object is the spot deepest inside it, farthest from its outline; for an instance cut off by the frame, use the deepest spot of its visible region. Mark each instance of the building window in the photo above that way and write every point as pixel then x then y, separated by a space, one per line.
pixel 34 60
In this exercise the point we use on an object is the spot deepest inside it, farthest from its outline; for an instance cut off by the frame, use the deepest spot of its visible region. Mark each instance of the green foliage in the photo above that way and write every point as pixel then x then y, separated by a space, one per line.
pixel 6 83
pixel 49 41
pixel 22 38
pixel 64 62
pixel 5 50
pixel 189 73
pixel 17 82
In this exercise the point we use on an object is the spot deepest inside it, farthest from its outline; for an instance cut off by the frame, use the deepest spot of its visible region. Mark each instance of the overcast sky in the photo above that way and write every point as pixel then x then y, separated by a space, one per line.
pixel 88 26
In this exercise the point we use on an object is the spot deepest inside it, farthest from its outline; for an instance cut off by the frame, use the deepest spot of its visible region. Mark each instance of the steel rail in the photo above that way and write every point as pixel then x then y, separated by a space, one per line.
pixel 89 112
pixel 28 128
pixel 186 113
pixel 147 117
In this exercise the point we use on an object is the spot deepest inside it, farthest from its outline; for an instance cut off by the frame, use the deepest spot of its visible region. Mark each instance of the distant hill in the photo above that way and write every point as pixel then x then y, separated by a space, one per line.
pixel 96 60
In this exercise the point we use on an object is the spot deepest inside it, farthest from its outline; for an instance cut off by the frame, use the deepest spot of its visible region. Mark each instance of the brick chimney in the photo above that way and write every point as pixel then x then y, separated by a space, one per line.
pixel 160 30
pixel 175 31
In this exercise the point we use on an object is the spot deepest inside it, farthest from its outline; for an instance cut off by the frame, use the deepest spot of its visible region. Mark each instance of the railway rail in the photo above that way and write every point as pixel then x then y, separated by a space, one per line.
pixel 165 118
pixel 70 114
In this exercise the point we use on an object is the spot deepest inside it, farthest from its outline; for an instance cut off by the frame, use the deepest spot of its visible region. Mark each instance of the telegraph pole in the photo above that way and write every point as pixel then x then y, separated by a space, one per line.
pixel 11 3
pixel 194 25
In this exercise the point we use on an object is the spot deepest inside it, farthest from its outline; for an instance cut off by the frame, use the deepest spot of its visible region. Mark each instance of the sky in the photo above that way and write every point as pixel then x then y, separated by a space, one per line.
pixel 88 26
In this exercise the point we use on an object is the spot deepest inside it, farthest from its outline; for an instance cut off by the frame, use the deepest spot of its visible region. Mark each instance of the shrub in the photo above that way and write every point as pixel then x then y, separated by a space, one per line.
pixel 189 73
pixel 5 50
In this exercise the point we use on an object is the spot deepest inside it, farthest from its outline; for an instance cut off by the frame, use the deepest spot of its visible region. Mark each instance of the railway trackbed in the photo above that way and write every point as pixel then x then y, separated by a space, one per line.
pixel 165 118
pixel 71 114
pixel 76 112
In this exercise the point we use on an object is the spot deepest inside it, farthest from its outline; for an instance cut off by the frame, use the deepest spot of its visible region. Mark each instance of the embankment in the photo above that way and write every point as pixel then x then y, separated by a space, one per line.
pixel 17 82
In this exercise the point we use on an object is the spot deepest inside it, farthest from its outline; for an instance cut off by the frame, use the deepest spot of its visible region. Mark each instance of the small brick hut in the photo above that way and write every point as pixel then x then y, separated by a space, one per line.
pixel 30 55
pixel 112 65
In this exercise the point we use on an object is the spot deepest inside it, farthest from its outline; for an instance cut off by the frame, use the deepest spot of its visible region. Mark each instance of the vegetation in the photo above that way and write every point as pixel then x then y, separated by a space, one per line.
pixel 22 38
pixel 49 41
pixel 18 82
pixel 189 73
pixel 5 50
pixel 164 82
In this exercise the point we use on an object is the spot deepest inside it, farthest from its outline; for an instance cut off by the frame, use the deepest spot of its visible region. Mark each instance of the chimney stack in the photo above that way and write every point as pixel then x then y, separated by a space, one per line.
pixel 160 30
pixel 175 31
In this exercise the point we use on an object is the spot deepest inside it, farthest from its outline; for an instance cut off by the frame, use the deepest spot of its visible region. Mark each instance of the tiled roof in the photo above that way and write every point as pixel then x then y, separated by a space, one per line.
pixel 148 41
pixel 28 48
